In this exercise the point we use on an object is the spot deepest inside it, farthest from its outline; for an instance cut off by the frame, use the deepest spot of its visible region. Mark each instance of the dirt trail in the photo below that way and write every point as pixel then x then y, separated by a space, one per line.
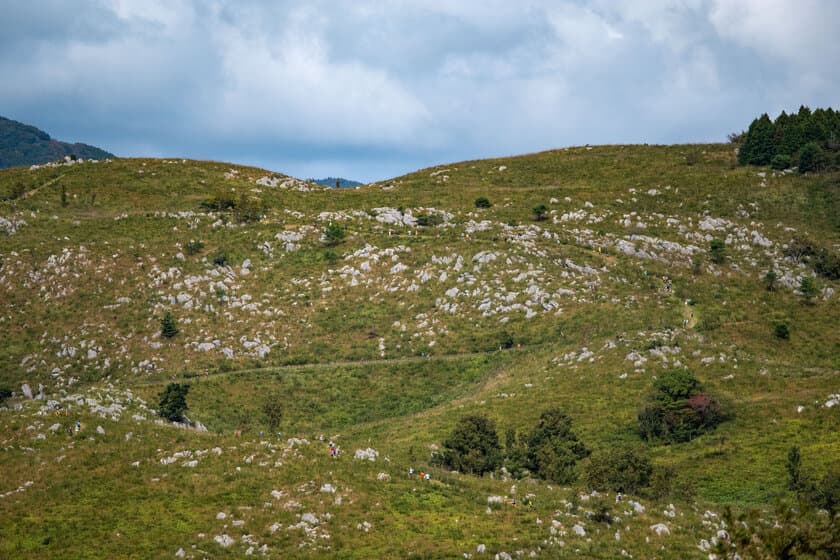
pixel 28 194
pixel 342 363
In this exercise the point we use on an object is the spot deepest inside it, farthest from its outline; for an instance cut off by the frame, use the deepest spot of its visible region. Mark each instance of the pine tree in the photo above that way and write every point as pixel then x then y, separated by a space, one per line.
pixel 168 326
pixel 758 148
pixel 173 402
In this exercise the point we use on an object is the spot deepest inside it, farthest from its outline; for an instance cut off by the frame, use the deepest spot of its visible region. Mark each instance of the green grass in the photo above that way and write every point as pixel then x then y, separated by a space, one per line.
pixel 377 356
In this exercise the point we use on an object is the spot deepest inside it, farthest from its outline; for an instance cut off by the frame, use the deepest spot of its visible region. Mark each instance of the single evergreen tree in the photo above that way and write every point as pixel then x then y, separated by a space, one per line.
pixel 808 289
pixel 717 251
pixel 333 234
pixel 758 148
pixel 168 325
pixel 173 402
pixel 473 446
pixel 553 447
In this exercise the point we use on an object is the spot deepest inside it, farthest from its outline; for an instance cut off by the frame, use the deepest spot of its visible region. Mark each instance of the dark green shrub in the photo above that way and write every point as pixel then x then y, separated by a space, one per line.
pixel 717 251
pixel 781 331
pixel 678 410
pixel 800 249
pixel 697 265
pixel 827 264
pixel 554 449
pixel 540 212
pixel 218 203
pixel 796 479
pixel 429 220
pixel 780 161
pixel 168 325
pixel 333 234
pixel 194 247
pixel 676 385
pixel 770 280
pixel 619 470
pixel 505 340
pixel 273 412
pixel 808 289
pixel 248 210
pixel 483 202
pixel 793 532
pixel 173 402
pixel 827 494
pixel 473 446
pixel 220 258
pixel 5 393
pixel 811 158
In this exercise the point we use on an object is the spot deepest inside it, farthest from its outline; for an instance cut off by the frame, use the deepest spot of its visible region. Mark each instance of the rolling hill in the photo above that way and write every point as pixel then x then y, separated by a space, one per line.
pixel 429 308
pixel 22 144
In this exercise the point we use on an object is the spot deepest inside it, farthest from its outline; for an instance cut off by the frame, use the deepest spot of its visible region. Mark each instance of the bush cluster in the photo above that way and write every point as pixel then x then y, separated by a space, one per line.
pixel 678 409
pixel 551 450
pixel 429 220
pixel 244 209
pixel 824 262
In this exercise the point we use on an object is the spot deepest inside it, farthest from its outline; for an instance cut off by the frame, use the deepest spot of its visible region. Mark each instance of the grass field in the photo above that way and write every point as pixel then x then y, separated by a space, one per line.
pixel 386 338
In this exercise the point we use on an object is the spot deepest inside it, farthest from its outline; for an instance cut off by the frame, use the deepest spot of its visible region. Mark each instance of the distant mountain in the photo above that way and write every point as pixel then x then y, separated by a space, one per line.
pixel 22 144
pixel 343 183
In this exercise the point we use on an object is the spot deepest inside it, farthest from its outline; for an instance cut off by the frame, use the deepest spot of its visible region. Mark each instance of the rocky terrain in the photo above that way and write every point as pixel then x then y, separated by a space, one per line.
pixel 427 307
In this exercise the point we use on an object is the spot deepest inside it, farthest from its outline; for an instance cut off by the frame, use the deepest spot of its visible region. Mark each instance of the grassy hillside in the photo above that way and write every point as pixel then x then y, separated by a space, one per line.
pixel 429 309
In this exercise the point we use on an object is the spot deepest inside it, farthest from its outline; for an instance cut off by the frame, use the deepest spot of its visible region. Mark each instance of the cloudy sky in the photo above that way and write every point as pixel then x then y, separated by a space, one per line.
pixel 370 89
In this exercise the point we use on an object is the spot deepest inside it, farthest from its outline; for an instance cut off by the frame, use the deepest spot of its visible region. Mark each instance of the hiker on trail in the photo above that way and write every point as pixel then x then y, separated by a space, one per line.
pixel 427 476
pixel 78 426
pixel 618 497
pixel 411 471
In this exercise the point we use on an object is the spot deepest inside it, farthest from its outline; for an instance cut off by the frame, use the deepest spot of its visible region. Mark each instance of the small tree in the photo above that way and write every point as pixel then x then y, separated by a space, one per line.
pixel 808 289
pixel 678 409
pixel 333 234
pixel 173 402
pixel 273 411
pixel 540 212
pixel 780 161
pixel 781 331
pixel 811 158
pixel 483 202
pixel 796 479
pixel 168 325
pixel 619 470
pixel 220 257
pixel 553 448
pixel 717 251
pixel 473 446
pixel 770 280
pixel 5 393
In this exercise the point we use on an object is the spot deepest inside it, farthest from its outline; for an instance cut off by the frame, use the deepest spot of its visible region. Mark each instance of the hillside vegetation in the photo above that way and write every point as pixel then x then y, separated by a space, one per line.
pixel 22 144
pixel 378 318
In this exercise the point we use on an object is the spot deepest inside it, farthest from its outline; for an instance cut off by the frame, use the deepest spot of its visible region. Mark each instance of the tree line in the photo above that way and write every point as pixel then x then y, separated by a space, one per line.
pixel 807 139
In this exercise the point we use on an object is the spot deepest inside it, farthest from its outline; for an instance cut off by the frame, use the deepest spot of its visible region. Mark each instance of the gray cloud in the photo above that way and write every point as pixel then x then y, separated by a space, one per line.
pixel 378 88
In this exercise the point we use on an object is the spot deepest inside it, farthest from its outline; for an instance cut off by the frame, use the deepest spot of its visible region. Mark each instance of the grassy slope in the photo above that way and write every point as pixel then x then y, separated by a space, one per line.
pixel 325 314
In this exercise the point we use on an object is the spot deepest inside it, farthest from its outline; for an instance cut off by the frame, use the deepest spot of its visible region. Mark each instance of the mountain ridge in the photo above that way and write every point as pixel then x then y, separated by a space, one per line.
pixel 23 144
